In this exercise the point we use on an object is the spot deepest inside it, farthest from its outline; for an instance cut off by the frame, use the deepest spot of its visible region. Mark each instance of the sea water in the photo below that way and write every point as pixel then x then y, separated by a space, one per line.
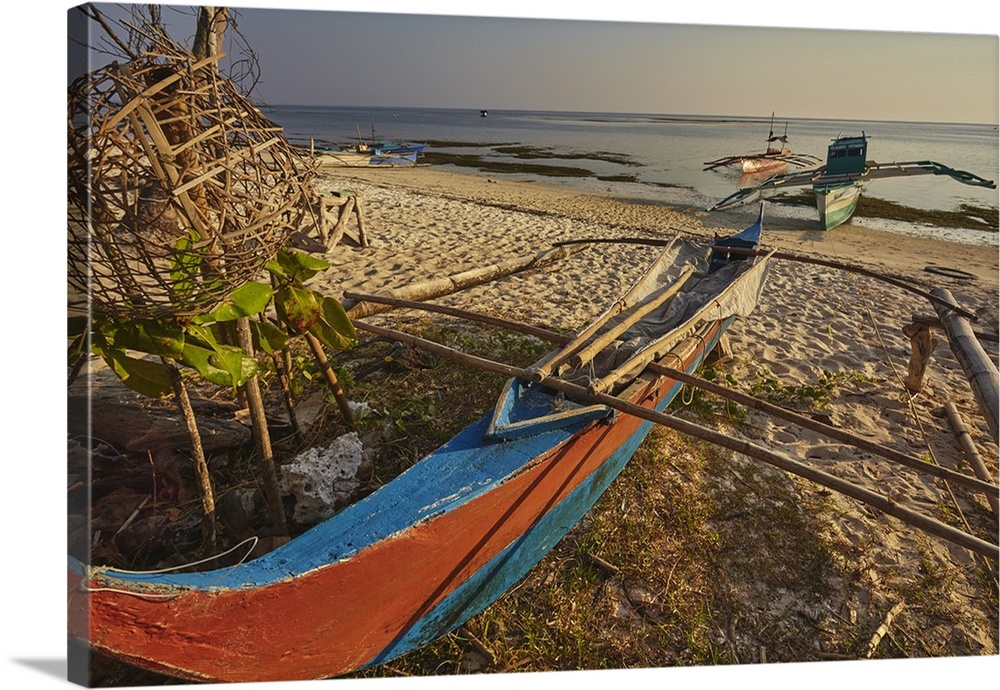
pixel 657 158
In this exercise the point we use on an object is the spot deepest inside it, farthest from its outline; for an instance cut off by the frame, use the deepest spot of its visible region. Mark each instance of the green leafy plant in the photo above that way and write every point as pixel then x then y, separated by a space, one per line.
pixel 132 346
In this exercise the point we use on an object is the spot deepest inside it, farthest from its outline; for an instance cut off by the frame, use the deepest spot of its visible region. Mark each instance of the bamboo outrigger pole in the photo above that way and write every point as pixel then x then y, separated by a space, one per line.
pixel 978 367
pixel 983 484
pixel 581 394
pixel 786 256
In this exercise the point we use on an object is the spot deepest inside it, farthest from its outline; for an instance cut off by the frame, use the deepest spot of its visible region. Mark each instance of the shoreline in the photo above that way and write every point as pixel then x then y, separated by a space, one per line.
pixel 872 248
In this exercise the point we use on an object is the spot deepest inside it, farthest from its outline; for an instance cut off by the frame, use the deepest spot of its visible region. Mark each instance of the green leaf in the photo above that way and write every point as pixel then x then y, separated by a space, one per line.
pixel 267 336
pixel 155 336
pixel 295 266
pixel 224 365
pixel 334 328
pixel 146 377
pixel 246 300
pixel 297 307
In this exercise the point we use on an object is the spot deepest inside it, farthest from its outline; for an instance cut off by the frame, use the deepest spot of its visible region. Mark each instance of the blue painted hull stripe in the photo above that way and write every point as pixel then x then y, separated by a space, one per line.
pixel 504 570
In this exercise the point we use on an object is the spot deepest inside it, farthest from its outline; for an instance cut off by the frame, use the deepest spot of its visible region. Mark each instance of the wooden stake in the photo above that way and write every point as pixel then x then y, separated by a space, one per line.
pixel 331 378
pixel 362 229
pixel 338 230
pixel 208 527
pixel 923 345
pixel 262 437
pixel 978 367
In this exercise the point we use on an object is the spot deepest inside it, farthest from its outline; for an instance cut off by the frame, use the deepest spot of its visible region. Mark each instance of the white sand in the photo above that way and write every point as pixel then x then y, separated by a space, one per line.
pixel 426 223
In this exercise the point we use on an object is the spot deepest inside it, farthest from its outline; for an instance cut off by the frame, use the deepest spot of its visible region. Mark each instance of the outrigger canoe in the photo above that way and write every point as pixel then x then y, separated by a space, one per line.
pixel 442 541
pixel 774 159
pixel 837 185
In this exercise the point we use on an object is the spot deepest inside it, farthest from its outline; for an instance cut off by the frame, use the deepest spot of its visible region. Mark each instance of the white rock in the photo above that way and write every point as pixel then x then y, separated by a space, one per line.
pixel 323 479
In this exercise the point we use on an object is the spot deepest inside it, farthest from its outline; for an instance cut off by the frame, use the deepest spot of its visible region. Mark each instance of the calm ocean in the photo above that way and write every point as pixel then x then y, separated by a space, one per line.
pixel 660 157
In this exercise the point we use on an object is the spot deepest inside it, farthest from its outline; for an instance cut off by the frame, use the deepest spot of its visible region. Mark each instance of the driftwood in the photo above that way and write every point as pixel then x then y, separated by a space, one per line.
pixel 971 453
pixel 581 394
pixel 439 287
pixel 922 343
pixel 978 367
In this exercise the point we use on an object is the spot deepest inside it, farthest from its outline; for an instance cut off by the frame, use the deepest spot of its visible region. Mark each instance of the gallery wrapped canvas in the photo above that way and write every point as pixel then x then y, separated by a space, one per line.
pixel 367 381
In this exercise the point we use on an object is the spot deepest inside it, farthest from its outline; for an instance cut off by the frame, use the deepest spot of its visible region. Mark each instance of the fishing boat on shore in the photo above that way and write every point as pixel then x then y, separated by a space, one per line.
pixel 775 158
pixel 364 155
pixel 838 184
pixel 442 541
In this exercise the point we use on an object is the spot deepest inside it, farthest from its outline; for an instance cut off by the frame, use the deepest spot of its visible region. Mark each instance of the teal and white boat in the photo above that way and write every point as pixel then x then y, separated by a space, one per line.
pixel 836 200
pixel 838 184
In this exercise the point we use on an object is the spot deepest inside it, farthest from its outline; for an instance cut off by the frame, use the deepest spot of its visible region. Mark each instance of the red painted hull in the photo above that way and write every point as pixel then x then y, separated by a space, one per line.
pixel 274 632
pixel 336 619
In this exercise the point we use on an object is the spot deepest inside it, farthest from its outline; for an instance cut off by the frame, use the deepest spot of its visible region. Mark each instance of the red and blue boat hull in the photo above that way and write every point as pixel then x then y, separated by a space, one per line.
pixel 386 575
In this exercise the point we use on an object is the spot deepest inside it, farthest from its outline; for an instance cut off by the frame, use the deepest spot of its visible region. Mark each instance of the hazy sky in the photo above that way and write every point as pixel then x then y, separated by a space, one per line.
pixel 639 65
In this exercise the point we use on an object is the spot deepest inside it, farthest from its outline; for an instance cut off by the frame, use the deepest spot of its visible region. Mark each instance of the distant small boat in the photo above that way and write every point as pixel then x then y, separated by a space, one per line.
pixel 839 183
pixel 484 113
pixel 364 155
pixel 773 160
pixel 373 152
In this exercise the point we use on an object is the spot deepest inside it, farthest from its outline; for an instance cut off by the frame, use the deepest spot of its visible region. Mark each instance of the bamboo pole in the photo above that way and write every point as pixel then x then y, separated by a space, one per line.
pixel 786 256
pixel 978 367
pixel 935 322
pixel 439 287
pixel 623 303
pixel 261 435
pixel 208 524
pixel 581 394
pixel 981 484
pixel 543 333
pixel 587 353
pixel 971 453
pixel 331 378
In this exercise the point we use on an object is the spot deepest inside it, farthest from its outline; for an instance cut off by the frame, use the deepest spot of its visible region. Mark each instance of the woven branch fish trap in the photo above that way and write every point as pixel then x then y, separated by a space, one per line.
pixel 180 190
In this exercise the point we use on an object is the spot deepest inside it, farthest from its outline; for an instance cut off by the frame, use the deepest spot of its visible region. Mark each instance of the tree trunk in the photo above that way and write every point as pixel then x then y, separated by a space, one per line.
pixel 211 31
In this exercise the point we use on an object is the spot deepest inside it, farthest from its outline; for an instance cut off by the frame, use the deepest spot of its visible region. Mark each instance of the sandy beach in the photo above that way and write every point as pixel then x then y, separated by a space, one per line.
pixel 813 325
